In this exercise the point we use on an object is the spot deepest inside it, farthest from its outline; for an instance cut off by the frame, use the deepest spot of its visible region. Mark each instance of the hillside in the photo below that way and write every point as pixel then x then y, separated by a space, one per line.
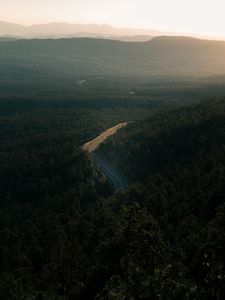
pixel 63 234
pixel 168 140
pixel 163 56
pixel 178 161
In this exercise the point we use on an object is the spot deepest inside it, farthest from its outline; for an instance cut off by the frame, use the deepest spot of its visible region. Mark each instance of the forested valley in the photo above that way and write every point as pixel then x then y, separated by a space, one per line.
pixel 65 233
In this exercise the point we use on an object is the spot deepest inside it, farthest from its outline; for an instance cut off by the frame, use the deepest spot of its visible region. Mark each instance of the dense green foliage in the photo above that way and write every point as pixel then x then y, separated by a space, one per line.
pixel 44 178
pixel 64 233
pixel 64 237
pixel 179 161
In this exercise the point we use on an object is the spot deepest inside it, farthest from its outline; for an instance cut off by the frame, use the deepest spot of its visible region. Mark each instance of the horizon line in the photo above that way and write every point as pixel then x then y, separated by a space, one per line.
pixel 164 32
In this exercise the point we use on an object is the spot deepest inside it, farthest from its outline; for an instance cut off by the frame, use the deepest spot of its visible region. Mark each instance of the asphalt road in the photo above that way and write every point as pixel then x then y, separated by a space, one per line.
pixel 90 147
pixel 116 179
pixel 95 143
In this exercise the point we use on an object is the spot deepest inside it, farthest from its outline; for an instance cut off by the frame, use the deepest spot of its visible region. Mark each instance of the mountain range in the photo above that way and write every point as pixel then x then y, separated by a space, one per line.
pixel 67 30
pixel 59 30
pixel 84 57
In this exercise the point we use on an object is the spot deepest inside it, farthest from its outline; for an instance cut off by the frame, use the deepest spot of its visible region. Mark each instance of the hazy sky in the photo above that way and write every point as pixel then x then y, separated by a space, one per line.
pixel 185 16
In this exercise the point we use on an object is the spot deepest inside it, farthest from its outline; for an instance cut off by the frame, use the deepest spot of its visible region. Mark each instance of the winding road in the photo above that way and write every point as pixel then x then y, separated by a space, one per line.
pixel 94 144
pixel 116 179
pixel 90 147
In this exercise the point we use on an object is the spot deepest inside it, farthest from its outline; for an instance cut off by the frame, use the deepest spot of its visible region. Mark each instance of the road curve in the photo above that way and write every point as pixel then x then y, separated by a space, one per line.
pixel 90 147
pixel 116 179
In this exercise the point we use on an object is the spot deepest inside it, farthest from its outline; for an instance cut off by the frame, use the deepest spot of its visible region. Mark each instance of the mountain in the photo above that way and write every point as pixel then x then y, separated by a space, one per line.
pixel 66 28
pixel 135 38
pixel 57 30
pixel 12 29
pixel 69 58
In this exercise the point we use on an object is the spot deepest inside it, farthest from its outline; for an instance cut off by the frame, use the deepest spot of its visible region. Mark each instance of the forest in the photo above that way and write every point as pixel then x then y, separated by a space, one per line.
pixel 175 162
pixel 163 56
pixel 66 234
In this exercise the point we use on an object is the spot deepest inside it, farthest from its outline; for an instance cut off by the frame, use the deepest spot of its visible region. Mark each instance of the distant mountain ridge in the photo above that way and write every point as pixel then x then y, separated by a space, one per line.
pixel 84 57
pixel 60 30
pixel 68 30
